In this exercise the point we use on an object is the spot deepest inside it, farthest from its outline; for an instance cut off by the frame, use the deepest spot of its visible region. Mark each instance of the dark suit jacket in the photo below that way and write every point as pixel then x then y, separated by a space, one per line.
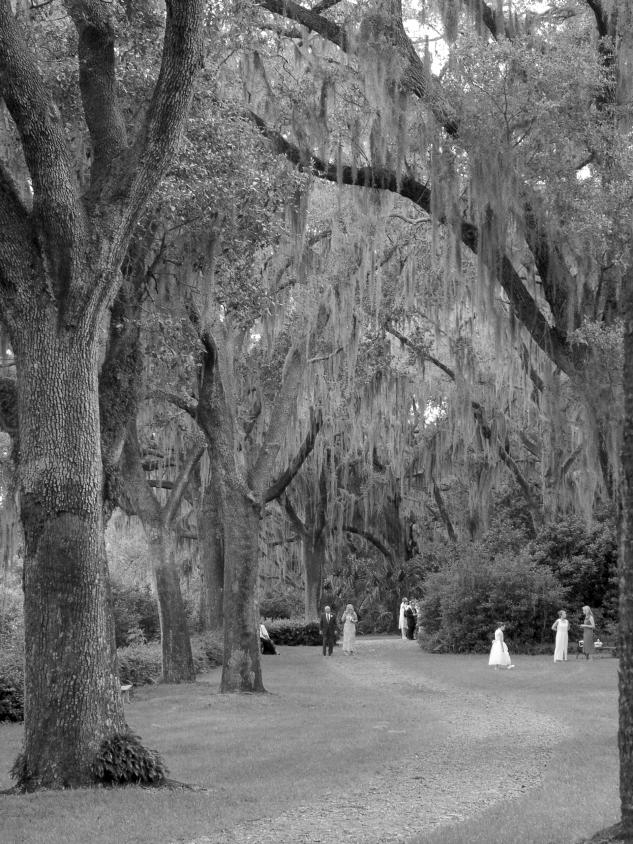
pixel 328 629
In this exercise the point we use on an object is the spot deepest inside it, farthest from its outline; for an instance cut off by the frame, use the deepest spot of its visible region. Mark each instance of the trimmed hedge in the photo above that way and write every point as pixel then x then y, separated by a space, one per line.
pixel 295 632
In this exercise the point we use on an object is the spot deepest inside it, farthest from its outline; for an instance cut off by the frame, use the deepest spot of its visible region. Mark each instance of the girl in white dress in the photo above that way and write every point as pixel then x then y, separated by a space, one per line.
pixel 349 620
pixel 499 655
pixel 402 622
pixel 561 626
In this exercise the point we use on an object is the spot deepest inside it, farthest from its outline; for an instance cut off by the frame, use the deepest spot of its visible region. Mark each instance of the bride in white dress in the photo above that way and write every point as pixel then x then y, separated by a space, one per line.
pixel 561 626
pixel 349 620
pixel 499 655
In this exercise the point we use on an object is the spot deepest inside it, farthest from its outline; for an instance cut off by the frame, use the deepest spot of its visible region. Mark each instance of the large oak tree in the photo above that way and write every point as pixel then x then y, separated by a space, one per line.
pixel 61 249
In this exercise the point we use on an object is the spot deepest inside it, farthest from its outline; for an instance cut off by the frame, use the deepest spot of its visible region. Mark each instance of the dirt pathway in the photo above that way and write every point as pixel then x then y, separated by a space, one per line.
pixel 466 747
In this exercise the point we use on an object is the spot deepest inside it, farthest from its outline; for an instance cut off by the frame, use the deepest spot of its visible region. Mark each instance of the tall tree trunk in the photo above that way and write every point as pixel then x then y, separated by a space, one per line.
pixel 176 645
pixel 241 670
pixel 211 536
pixel 72 694
pixel 625 649
pixel 177 657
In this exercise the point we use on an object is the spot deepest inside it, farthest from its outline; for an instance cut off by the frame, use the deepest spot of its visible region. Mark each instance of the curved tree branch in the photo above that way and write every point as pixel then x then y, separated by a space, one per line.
pixel 282 482
pixel 550 339
pixel 373 540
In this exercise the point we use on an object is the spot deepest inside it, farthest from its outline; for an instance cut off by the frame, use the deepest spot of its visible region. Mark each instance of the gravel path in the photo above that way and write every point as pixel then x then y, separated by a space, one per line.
pixel 495 747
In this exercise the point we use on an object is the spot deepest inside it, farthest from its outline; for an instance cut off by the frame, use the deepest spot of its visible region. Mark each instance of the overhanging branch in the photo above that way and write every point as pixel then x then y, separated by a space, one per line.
pixel 552 341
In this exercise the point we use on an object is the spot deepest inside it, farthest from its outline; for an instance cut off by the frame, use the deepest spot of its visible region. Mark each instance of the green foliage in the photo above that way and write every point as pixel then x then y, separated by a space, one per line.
pixel 294 633
pixel 583 560
pixel 467 596
pixel 12 683
pixel 122 759
pixel 11 651
pixel 278 605
pixel 135 614
pixel 208 651
pixel 140 664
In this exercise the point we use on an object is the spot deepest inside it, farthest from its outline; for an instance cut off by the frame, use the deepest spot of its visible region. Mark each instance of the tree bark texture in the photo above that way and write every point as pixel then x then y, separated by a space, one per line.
pixel 241 670
pixel 211 533
pixel 177 659
pixel 625 647
pixel 174 636
pixel 72 695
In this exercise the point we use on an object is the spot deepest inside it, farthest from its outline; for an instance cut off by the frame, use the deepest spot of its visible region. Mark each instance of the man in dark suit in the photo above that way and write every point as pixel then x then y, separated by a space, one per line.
pixel 327 626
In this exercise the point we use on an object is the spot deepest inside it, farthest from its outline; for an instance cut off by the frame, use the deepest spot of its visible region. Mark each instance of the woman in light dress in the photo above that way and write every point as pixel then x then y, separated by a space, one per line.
pixel 349 619
pixel 588 626
pixel 402 622
pixel 561 626
pixel 499 656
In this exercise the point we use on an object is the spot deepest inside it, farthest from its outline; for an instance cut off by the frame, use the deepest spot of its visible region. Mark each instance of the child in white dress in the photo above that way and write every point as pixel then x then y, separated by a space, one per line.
pixel 499 655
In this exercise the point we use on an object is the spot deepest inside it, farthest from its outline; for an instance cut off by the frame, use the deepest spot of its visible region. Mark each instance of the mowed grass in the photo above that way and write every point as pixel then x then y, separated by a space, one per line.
pixel 256 756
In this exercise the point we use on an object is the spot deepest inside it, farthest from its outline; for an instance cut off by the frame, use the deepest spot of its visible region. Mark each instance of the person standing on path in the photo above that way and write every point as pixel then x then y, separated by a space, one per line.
pixel 499 655
pixel 327 626
pixel 402 622
pixel 410 618
pixel 588 626
pixel 561 626
pixel 349 619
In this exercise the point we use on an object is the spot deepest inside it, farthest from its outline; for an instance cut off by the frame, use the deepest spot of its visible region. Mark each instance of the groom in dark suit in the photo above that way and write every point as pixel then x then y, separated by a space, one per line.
pixel 327 626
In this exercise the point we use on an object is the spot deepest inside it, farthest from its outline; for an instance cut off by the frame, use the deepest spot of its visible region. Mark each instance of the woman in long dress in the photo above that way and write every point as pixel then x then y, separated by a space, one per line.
pixel 561 626
pixel 402 622
pixel 499 655
pixel 349 619
pixel 588 626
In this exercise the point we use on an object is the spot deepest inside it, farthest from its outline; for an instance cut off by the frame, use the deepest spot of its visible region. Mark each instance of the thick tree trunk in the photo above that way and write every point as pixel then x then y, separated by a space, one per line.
pixel 625 649
pixel 241 670
pixel 176 645
pixel 174 635
pixel 313 553
pixel 211 536
pixel 72 693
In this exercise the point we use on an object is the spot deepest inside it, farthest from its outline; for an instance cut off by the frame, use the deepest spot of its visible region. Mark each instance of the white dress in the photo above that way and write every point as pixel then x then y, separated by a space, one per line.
pixel 402 622
pixel 562 636
pixel 349 631
pixel 499 651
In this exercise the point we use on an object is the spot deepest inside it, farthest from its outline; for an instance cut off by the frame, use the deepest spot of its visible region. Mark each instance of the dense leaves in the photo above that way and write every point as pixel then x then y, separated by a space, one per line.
pixel 123 759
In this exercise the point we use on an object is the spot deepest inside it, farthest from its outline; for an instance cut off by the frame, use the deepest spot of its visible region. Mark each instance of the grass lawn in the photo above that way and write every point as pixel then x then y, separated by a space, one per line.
pixel 388 745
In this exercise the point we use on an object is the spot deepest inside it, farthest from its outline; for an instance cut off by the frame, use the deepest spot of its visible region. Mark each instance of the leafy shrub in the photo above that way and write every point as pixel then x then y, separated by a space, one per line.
pixel 584 561
pixel 123 759
pixel 279 605
pixel 208 651
pixel 294 633
pixel 11 683
pixel 465 599
pixel 140 664
pixel 135 609
pixel 11 651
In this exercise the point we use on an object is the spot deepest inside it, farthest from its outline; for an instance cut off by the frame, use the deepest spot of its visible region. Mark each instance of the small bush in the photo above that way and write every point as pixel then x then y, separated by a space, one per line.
pixel 12 672
pixel 123 759
pixel 135 609
pixel 294 633
pixel 208 651
pixel 280 605
pixel 140 664
pixel 11 694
